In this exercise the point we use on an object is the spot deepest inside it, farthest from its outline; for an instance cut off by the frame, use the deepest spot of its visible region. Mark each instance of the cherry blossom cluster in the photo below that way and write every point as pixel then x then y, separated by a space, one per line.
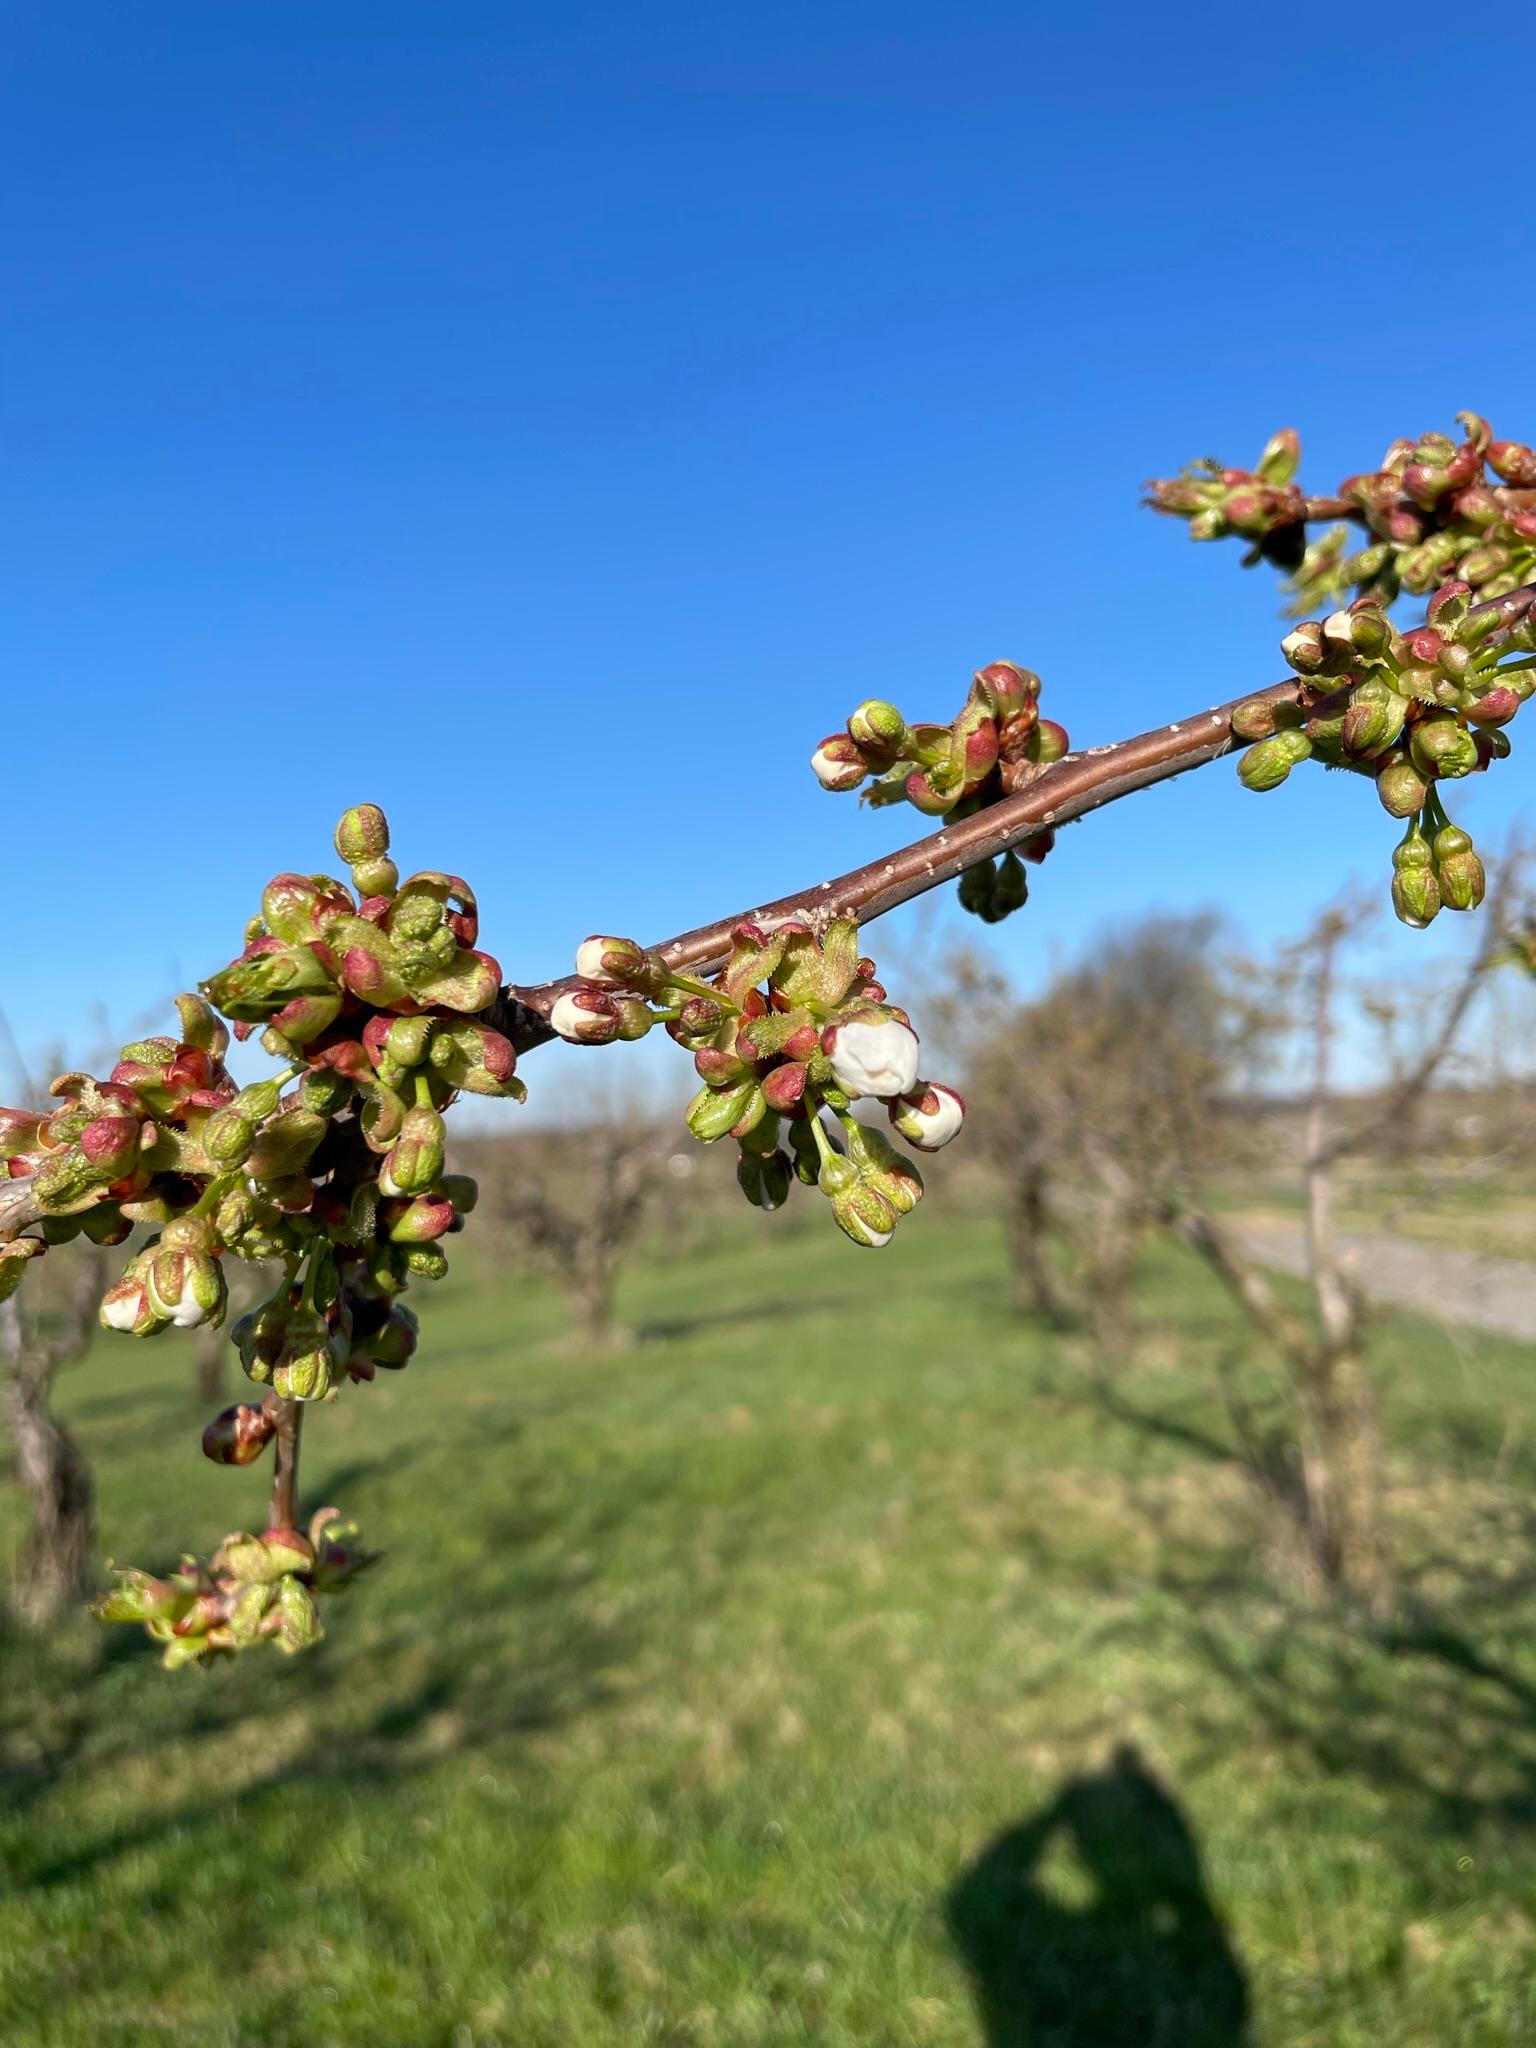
pixel 1436 510
pixel 333 1169
pixel 1413 710
pixel 790 1033
pixel 994 745
pixel 254 1589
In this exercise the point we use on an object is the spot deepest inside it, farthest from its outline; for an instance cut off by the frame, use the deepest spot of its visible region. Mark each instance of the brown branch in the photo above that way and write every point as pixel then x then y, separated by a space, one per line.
pixel 283 1510
pixel 1068 789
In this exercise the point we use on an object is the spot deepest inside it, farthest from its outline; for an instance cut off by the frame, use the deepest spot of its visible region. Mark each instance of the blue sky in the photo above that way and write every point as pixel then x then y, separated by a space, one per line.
pixel 549 421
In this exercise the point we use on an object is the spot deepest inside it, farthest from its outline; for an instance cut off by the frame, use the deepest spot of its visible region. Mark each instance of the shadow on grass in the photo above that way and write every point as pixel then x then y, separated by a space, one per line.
pixel 1143 1959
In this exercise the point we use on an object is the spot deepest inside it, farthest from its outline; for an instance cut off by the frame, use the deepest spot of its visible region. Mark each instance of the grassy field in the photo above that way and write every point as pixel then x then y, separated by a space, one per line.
pixel 830 1666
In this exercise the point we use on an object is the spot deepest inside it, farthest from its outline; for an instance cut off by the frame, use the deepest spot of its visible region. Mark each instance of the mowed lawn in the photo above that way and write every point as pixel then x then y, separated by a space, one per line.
pixel 829 1666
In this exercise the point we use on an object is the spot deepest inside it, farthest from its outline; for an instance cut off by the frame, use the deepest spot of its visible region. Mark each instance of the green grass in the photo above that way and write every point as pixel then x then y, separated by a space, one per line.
pixel 759 1684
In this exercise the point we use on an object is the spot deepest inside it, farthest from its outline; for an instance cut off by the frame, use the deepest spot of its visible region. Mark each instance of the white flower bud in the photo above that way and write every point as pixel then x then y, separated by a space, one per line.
pixel 589 960
pixel 873 1056
pixel 930 1116
pixel 585 1016
pixel 836 764
pixel 123 1311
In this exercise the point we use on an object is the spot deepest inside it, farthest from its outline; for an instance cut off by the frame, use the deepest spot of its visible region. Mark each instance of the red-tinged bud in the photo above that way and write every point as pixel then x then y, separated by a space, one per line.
pixel 362 834
pixel 112 1144
pixel 585 1016
pixel 1400 787
pixel 474 1057
pixel 1246 509
pixel 1495 707
pixel 1514 462
pixel 923 797
pixel 369 971
pixel 1009 688
pixel 783 1087
pixel 420 1221
pixel 980 751
pixel 19 1129
pixel 239 1435
pixel 297 908
pixel 838 764
pixel 1305 648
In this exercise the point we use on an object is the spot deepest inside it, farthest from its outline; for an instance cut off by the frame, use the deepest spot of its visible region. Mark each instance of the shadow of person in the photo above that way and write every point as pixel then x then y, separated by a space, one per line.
pixel 1141 1962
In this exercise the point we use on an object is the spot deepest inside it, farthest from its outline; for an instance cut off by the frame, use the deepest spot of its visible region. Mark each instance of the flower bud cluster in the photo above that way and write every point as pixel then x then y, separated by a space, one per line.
pixel 1261 505
pixel 793 1030
pixel 1411 709
pixel 254 1589
pixel 1436 510
pixel 335 1168
pixel 995 744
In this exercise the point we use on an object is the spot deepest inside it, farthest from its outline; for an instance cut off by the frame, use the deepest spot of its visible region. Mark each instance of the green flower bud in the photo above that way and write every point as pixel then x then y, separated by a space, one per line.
pixel 1441 746
pixel 1400 787
pixel 362 834
pixel 1458 869
pixel 415 1161
pixel 1415 890
pixel 1373 721
pixel 1267 764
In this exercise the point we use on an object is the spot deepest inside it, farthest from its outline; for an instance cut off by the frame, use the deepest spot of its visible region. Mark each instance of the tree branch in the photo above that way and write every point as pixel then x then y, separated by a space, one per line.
pixel 1068 789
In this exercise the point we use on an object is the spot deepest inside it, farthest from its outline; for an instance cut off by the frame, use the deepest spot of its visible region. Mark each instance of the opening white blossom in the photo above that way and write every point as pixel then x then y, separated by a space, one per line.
pixel 832 768
pixel 589 963
pixel 584 1020
pixel 183 1311
pixel 931 1119
pixel 122 1311
pixel 874 1056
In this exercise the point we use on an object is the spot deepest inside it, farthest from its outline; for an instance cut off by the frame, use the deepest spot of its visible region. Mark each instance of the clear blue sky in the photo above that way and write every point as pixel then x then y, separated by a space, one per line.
pixel 549 420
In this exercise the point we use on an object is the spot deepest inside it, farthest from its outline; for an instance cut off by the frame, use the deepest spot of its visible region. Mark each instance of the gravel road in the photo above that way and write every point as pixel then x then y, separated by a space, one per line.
pixel 1437 1280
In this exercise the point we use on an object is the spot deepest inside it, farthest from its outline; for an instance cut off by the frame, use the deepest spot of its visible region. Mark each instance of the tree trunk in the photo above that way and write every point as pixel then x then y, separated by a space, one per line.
pixel 53 1570
pixel 1341 1456
pixel 1036 1289
pixel 592 1291
pixel 1110 1259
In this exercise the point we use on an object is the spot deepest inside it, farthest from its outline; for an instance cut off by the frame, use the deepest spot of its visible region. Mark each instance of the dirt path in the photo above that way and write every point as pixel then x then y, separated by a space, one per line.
pixel 1436 1280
